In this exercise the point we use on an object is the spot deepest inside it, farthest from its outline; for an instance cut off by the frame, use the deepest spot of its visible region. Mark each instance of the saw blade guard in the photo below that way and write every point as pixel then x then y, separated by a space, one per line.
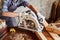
pixel 29 21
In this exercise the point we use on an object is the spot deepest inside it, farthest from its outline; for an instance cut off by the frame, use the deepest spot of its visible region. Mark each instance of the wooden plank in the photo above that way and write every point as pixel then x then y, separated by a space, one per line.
pixel 55 23
pixel 44 35
pixel 3 36
pixel 37 34
pixel 53 28
pixel 49 29
pixel 40 34
pixel 55 36
pixel 47 35
pixel 45 23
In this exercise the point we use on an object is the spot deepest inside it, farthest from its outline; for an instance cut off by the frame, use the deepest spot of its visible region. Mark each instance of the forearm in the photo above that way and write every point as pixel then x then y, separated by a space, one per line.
pixel 33 8
pixel 39 16
pixel 10 14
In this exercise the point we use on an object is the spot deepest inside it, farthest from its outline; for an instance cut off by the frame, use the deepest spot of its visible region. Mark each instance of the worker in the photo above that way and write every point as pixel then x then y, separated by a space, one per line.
pixel 9 6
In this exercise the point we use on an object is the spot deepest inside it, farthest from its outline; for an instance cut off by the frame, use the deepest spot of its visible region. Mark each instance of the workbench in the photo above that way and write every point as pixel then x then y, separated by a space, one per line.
pixel 49 32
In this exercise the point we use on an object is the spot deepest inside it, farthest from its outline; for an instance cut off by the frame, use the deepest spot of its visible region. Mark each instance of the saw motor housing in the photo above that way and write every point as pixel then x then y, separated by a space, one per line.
pixel 29 21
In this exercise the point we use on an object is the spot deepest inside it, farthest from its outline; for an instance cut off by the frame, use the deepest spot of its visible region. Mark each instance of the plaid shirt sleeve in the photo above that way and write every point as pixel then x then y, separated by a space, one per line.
pixel 25 3
pixel 5 6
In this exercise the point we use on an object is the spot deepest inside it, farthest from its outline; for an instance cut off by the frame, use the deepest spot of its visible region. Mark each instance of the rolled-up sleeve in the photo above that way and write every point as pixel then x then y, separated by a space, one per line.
pixel 5 6
pixel 25 3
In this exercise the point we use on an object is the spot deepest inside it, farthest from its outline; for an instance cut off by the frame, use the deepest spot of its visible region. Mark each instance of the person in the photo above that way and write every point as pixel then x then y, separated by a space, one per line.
pixel 9 6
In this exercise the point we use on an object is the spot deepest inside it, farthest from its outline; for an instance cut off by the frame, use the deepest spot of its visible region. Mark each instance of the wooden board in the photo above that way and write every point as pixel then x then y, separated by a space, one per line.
pixel 46 34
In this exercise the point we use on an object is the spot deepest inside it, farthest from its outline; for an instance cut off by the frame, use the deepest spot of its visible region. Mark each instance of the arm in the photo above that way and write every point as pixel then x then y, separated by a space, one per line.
pixel 9 14
pixel 32 8
pixel 5 10
pixel 25 3
pixel 40 17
